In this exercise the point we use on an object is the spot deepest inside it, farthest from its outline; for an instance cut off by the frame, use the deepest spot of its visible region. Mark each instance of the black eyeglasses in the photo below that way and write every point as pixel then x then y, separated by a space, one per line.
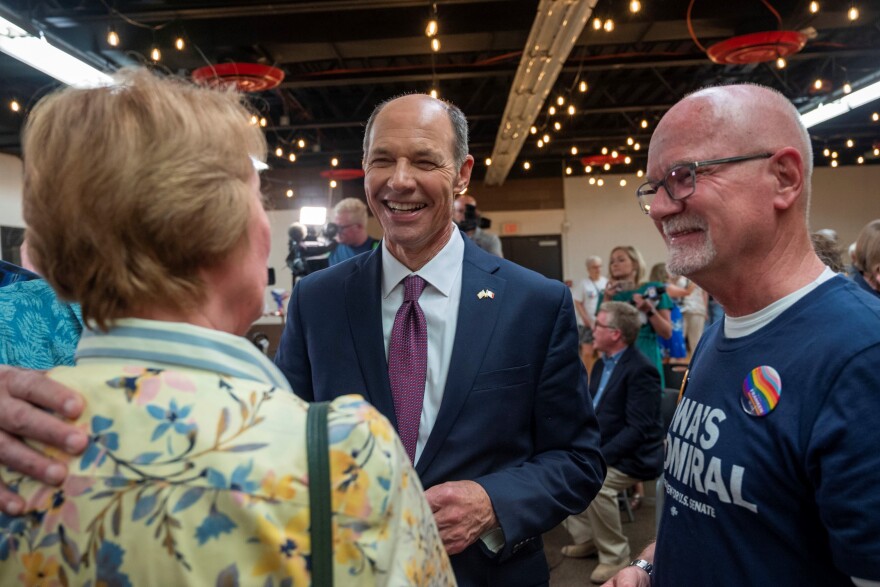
pixel 681 181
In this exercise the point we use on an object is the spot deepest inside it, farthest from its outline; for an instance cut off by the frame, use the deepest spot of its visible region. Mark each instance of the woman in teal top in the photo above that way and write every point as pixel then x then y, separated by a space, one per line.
pixel 626 271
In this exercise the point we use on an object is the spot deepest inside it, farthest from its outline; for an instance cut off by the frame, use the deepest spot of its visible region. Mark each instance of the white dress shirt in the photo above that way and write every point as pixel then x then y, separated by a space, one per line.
pixel 439 302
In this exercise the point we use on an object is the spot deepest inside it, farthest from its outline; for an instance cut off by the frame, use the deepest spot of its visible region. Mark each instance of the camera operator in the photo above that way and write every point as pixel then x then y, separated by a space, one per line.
pixel 350 217
pixel 468 219
pixel 307 251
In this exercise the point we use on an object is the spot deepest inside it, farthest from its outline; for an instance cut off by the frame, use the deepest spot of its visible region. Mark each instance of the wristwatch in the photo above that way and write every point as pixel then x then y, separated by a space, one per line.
pixel 644 565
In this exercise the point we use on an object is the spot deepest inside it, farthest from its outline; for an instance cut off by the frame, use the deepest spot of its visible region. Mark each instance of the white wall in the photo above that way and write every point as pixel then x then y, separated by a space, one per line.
pixel 10 191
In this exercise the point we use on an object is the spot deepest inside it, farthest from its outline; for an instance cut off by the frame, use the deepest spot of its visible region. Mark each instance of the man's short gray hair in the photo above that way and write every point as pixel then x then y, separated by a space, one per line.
pixel 355 207
pixel 456 117
pixel 624 317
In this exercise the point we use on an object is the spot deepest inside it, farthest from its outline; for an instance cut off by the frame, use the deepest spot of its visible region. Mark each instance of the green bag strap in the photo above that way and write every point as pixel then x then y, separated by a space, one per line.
pixel 319 495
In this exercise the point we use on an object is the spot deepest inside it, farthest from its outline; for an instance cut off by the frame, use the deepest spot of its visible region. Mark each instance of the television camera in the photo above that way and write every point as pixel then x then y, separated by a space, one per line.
pixel 309 248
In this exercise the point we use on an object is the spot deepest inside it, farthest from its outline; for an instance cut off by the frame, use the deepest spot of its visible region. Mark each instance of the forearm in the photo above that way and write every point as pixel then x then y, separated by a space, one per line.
pixel 661 322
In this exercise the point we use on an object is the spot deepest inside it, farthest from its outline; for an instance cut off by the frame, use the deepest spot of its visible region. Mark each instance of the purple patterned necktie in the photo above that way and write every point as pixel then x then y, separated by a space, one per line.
pixel 408 363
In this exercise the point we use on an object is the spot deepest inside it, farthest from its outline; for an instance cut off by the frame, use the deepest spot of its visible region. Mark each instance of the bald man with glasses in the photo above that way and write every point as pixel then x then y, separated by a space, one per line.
pixel 771 468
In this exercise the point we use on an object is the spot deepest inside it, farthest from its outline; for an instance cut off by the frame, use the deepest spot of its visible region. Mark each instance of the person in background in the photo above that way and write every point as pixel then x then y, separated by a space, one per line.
pixel 867 258
pixel 350 217
pixel 586 301
pixel 772 466
pixel 467 217
pixel 194 468
pixel 625 391
pixel 828 251
pixel 626 269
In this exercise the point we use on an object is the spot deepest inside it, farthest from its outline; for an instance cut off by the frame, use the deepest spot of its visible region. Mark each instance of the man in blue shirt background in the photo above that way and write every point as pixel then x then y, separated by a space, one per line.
pixel 350 215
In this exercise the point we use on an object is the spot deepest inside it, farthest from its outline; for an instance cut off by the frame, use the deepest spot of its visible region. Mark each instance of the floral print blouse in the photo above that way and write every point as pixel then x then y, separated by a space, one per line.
pixel 196 473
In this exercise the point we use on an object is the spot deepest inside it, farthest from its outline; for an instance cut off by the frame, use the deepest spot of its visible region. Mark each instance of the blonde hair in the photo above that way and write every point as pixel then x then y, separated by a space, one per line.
pixel 355 207
pixel 637 261
pixel 867 256
pixel 130 189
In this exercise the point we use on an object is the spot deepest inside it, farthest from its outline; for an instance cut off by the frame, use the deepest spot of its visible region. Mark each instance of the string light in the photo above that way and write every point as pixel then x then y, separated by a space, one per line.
pixel 604 150
pixel 834 154
pixel 600 182
pixel 623 183
pixel 292 157
pixel 635 6
pixel 644 123
pixel 279 152
pixel 551 110
pixel 560 100
pixel 876 152
pixel 640 173
pixel 433 93
pixel 592 181
pixel 847 88
pixel 254 119
pixel 860 160
pixel 435 44
pixel 289 193
pixel 334 162
pixel 263 122
pixel 614 154
pixel 607 167
pixel 488 161
pixel 179 44
pixel 534 130
pixel 637 146
pixel 15 106
pixel 814 7
pixel 629 141
pixel 817 84
pixel 826 151
pixel 781 63
pixel 557 125
pixel 333 183
pixel 527 165
pixel 627 160
pixel 540 143
pixel 571 109
pixel 155 54
pixel 850 143
pixel 852 13
pixel 597 24
pixel 834 163
pixel 568 171
pixel 301 144
pixel 431 29
pixel 574 150
pixel 546 138
pixel 875 117
pixel 112 38
pixel 608 26
pixel 588 169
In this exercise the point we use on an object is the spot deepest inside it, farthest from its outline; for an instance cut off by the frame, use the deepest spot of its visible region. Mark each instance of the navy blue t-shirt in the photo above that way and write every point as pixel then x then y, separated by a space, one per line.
pixel 343 252
pixel 773 457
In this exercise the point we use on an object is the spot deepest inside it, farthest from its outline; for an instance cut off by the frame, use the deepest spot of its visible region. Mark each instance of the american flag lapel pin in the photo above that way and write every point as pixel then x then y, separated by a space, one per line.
pixel 486 293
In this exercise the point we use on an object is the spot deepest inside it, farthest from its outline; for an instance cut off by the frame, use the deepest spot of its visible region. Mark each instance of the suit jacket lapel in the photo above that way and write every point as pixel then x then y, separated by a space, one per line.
pixel 363 304
pixel 476 322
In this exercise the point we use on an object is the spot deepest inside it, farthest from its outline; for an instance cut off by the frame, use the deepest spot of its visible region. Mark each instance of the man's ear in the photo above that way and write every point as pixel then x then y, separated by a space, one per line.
pixel 787 167
pixel 464 175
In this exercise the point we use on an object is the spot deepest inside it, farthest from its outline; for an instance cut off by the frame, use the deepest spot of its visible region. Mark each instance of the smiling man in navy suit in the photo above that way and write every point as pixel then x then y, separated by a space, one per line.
pixel 506 444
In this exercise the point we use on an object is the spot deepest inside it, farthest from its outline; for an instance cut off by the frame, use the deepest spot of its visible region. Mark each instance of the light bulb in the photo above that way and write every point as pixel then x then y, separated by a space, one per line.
pixel 301 144
pixel 254 119
pixel 607 167
pixel 533 130
pixel 113 38
pixel 834 163
pixel 852 13
pixel 263 122
pixel 540 143
pixel 560 100
pixel 557 125
pixel 179 44
pixel 488 161
pixel 435 44
pixel 623 183
pixel 574 150
pixel 817 84
pixel 571 109
pixel 860 160
pixel 876 152
pixel 546 138
pixel 279 152
pixel 781 63
pixel 551 110
pixel 431 29
pixel 597 24
pixel 289 193
pixel 433 93
pixel 850 143
pixel 600 182
pixel 15 106
pixel 527 165
pixel 333 183
pixel 292 157
pixel 604 150
pixel 629 141
pixel 826 151
pixel 155 54
pixel 627 160
pixel 592 181
pixel 614 154
pixel 814 7
pixel 608 26
pixel 637 146
pixel 635 6
pixel 847 88
pixel 588 169
pixel 875 117
pixel 644 123
pixel 834 154
pixel 334 162
pixel 640 173
pixel 568 171
pixel 582 86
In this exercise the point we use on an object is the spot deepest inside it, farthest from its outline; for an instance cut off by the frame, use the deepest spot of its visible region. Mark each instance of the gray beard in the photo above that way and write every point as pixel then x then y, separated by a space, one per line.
pixel 688 260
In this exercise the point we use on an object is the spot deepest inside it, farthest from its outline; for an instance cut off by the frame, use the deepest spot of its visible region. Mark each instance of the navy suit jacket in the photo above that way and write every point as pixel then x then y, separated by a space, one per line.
pixel 513 418
pixel 629 415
